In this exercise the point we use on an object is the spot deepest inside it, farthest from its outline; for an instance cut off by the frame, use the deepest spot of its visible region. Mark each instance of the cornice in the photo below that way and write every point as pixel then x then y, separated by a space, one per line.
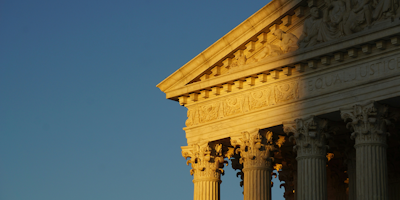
pixel 300 62
pixel 234 39
pixel 201 82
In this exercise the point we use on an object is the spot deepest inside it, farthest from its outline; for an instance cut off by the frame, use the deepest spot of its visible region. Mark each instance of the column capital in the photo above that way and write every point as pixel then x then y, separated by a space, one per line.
pixel 207 162
pixel 255 149
pixel 367 121
pixel 310 135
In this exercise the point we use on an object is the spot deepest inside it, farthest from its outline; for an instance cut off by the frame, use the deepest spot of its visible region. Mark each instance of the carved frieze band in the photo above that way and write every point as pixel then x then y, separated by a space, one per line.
pixel 238 104
pixel 274 94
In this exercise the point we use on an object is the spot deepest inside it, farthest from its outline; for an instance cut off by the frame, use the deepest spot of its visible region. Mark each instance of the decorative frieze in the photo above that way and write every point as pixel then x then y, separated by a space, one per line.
pixel 242 103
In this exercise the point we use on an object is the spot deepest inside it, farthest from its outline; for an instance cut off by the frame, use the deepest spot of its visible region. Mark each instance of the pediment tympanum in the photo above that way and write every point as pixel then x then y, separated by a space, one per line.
pixel 282 37
pixel 331 21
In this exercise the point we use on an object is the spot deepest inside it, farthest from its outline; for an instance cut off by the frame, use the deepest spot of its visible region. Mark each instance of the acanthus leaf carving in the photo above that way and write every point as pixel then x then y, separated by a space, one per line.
pixel 255 149
pixel 368 122
pixel 206 162
pixel 310 135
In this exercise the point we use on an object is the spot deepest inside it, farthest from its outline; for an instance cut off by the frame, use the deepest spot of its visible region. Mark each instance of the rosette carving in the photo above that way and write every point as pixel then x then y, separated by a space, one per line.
pixel 206 162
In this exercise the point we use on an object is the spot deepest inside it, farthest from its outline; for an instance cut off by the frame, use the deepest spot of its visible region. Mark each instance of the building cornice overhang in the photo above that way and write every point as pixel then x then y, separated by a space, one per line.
pixel 302 56
pixel 252 26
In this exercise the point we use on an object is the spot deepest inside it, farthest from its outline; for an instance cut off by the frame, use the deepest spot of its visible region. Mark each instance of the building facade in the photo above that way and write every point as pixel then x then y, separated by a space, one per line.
pixel 308 88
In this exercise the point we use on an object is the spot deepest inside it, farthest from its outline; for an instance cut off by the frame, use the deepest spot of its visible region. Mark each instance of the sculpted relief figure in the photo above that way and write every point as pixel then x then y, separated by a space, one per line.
pixel 268 50
pixel 311 29
pixel 359 15
pixel 241 60
pixel 363 13
pixel 383 9
pixel 288 41
pixel 345 17
pixel 332 27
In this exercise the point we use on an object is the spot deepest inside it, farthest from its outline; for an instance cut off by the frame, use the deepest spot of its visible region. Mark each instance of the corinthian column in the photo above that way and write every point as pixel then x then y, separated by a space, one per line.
pixel 255 155
pixel 310 136
pixel 207 164
pixel 369 125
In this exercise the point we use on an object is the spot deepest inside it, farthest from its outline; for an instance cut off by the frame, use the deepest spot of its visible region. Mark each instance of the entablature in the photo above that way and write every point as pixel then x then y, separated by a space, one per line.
pixel 294 64
pixel 243 66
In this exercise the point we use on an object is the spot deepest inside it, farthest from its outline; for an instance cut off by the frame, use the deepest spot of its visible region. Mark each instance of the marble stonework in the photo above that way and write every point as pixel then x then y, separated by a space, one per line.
pixel 310 89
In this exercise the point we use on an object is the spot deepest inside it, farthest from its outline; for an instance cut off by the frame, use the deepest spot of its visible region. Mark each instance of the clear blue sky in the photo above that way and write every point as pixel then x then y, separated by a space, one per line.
pixel 80 115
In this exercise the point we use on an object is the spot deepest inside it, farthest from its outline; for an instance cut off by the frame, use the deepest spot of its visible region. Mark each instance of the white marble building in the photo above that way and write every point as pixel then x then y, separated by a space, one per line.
pixel 309 88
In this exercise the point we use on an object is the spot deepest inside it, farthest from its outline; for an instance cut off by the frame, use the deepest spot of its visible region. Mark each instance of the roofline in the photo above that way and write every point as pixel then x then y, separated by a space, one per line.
pixel 230 40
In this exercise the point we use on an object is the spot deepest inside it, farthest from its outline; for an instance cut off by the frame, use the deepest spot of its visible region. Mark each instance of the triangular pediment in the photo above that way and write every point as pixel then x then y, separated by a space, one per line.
pixel 251 33
pixel 284 34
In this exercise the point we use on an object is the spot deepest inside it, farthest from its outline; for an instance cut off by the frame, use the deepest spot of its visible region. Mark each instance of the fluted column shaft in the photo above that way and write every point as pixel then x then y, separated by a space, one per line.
pixel 371 173
pixel 311 183
pixel 310 135
pixel 369 125
pixel 206 189
pixel 257 183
